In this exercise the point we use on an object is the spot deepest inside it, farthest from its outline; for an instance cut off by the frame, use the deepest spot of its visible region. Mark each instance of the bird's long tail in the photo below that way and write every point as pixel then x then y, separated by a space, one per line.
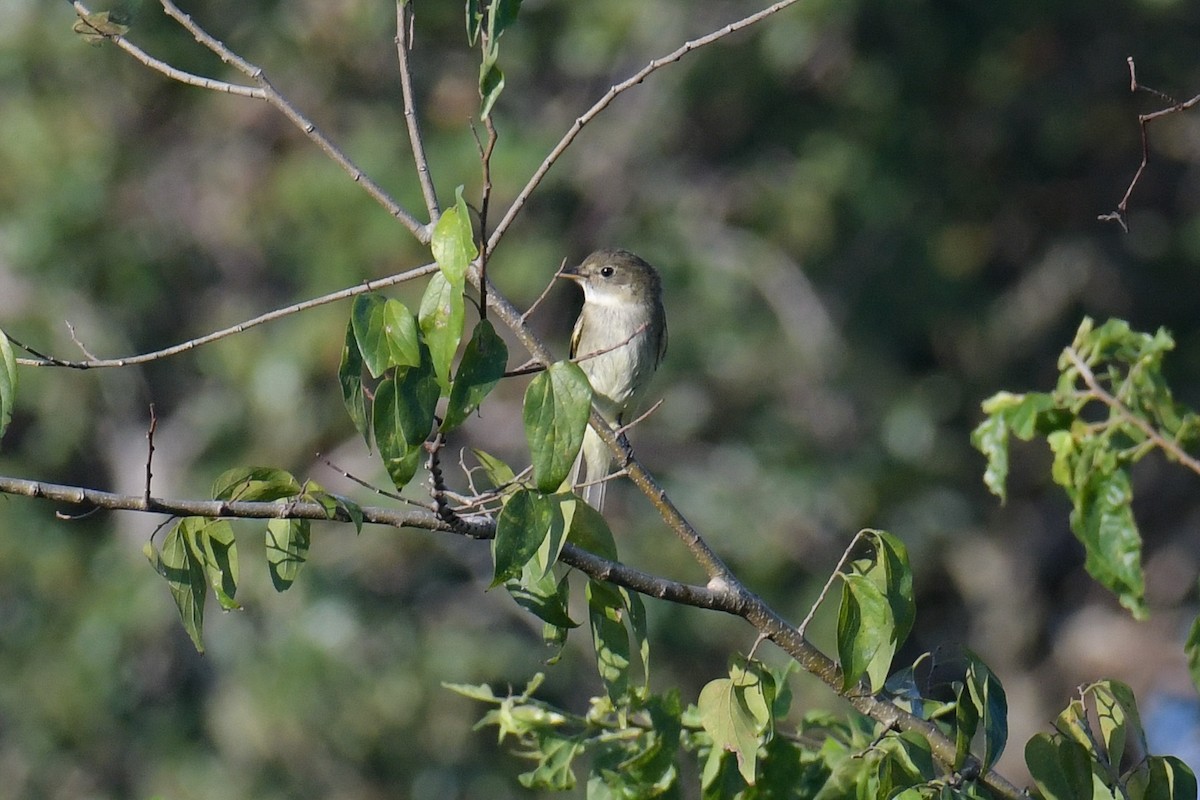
pixel 592 466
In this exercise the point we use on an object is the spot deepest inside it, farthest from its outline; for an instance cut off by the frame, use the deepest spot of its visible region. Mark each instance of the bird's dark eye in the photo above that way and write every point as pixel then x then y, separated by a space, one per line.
pixel 607 272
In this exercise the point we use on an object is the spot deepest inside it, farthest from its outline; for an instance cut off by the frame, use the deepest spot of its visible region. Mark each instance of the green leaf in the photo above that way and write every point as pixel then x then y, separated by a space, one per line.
pixel 441 319
pixel 1103 521
pixel 8 382
pixel 865 628
pixel 606 611
pixel 491 84
pixel 558 403
pixel 498 473
pixel 335 505
pixel 453 242
pixel 212 544
pixel 287 550
pixel 735 711
pixel 481 692
pixel 185 578
pixel 542 595
pixel 482 367
pixel 522 526
pixel 893 575
pixel 1061 768
pixel 590 531
pixel 386 333
pixel 98 26
pixel 1119 721
pixel 556 754
pixel 262 484
pixel 1168 778
pixel 990 437
pixel 350 369
pixel 403 418
pixel 984 693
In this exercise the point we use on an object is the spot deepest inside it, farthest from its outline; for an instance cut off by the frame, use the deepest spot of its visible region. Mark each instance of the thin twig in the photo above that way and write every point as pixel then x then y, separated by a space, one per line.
pixel 837 571
pixel 613 92
pixel 264 91
pixel 404 42
pixel 1171 448
pixel 1119 216
pixel 83 349
pixel 370 486
pixel 166 69
pixel 150 453
pixel 485 160
pixel 641 417
pixel 549 285
pixel 41 360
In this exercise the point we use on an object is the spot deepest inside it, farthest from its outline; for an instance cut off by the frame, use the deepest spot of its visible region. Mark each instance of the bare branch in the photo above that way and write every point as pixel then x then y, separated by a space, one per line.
pixel 41 360
pixel 1144 120
pixel 169 71
pixel 150 452
pixel 404 42
pixel 613 92
pixel 264 91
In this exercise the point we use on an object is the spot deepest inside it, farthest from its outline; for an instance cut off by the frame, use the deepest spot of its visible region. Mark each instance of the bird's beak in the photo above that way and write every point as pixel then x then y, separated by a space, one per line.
pixel 570 273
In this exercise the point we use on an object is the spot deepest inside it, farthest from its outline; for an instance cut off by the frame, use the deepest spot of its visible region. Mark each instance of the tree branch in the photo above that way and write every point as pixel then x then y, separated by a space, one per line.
pixel 404 42
pixel 613 92
pixel 265 91
pixel 1171 448
pixel 1144 120
pixel 42 360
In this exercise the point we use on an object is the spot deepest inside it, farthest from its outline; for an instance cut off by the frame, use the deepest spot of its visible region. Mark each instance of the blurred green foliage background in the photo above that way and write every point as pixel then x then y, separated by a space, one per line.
pixel 869 216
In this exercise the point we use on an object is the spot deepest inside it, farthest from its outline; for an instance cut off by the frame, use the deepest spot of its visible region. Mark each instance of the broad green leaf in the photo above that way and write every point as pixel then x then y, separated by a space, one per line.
pixel 287 550
pixel 522 526
pixel 1119 721
pixel 542 596
pixel 403 418
pixel 1103 521
pixel 262 484
pixel 606 611
pixel 637 625
pixel 736 712
pixel 865 627
pixel 441 319
pixel 453 242
pixel 590 531
pixel 498 473
pixel 350 378
pixel 1061 768
pixel 558 403
pixel 1168 778
pixel 985 693
pixel 892 564
pixel 386 333
pixel 8 382
pixel 213 545
pixel 186 580
pixel 481 368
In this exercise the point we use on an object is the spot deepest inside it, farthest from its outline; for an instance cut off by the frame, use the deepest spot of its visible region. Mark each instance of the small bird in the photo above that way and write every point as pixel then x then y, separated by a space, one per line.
pixel 619 340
